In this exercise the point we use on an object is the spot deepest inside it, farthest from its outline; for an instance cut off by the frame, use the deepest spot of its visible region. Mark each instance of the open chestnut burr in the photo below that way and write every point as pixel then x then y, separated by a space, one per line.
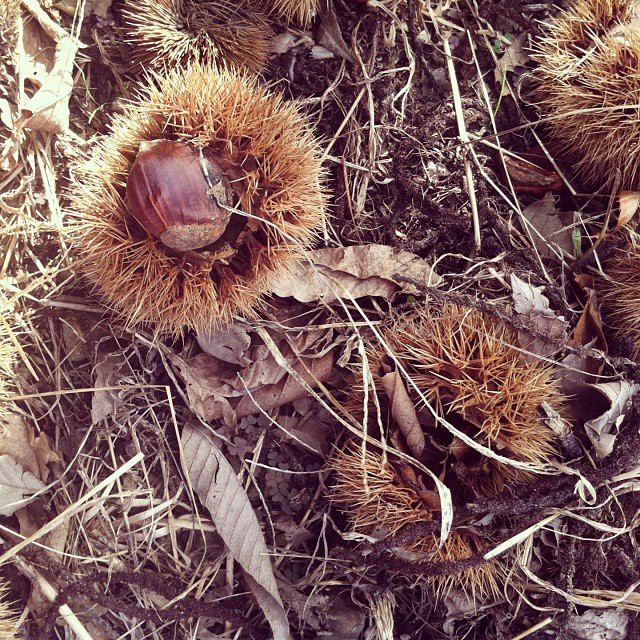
pixel 207 188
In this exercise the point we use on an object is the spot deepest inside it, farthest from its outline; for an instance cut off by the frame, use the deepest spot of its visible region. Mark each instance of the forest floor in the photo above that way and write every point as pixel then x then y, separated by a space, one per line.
pixel 394 89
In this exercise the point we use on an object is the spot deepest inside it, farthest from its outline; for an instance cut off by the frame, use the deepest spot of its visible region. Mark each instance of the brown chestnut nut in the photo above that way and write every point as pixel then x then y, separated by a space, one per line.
pixel 175 193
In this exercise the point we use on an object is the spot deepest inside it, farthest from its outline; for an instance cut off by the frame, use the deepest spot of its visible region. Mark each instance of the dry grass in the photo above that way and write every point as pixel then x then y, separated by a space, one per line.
pixel 174 33
pixel 7 350
pixel 276 176
pixel 588 87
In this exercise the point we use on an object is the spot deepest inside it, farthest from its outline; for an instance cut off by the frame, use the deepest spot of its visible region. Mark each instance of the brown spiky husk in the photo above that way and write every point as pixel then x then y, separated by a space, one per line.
pixel 9 620
pixel 167 34
pixel 298 11
pixel 377 502
pixel 268 142
pixel 7 353
pixel 468 366
pixel 620 296
pixel 588 86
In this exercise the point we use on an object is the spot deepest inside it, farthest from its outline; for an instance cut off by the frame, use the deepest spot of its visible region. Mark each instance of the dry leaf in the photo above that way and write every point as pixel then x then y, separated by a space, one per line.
pixel 220 491
pixel 271 607
pixel 218 389
pixel 404 412
pixel 514 56
pixel 629 201
pixel 108 374
pixel 365 270
pixel 610 624
pixel 533 307
pixel 48 108
pixel 344 620
pixel 528 177
pixel 15 485
pixel 18 440
pixel 602 431
pixel 329 34
pixel 228 345
pixel 552 227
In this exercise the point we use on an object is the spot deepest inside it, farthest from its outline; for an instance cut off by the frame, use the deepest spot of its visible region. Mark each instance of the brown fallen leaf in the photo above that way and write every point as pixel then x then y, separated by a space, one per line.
pixel 551 231
pixel 16 485
pixel 48 109
pixel 329 33
pixel 514 56
pixel 628 202
pixel 364 270
pixel 588 332
pixel 108 373
pixel 18 440
pixel 533 308
pixel 220 491
pixel 404 412
pixel 528 177
pixel 220 389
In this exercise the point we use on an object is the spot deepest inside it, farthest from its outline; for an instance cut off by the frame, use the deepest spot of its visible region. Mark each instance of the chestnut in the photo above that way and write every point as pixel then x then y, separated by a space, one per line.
pixel 177 194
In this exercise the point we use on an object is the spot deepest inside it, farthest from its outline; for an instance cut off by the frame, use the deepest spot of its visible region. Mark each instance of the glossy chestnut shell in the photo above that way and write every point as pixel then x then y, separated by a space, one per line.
pixel 175 192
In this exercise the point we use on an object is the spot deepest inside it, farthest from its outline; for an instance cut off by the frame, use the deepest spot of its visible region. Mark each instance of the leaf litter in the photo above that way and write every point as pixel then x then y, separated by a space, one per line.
pixel 108 432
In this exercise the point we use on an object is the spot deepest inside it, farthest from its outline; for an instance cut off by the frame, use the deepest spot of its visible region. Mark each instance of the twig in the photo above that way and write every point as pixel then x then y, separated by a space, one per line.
pixel 51 593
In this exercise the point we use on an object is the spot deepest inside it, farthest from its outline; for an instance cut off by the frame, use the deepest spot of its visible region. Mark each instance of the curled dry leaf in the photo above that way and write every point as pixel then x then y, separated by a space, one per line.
pixel 628 201
pixel 602 430
pixel 48 109
pixel 217 388
pixel 533 308
pixel 528 177
pixel 364 270
pixel 16 484
pixel 329 34
pixel 220 491
pixel 404 412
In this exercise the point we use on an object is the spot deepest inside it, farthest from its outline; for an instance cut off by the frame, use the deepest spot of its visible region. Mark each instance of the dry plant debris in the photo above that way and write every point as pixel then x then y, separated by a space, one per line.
pixel 471 369
pixel 297 11
pixel 173 33
pixel 427 427
pixel 380 497
pixel 588 89
pixel 274 201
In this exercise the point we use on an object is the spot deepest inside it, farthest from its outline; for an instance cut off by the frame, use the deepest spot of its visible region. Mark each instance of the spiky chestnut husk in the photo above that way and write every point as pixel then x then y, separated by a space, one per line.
pixel 468 366
pixel 273 158
pixel 167 34
pixel 620 297
pixel 9 620
pixel 7 353
pixel 377 501
pixel 298 11
pixel 588 86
